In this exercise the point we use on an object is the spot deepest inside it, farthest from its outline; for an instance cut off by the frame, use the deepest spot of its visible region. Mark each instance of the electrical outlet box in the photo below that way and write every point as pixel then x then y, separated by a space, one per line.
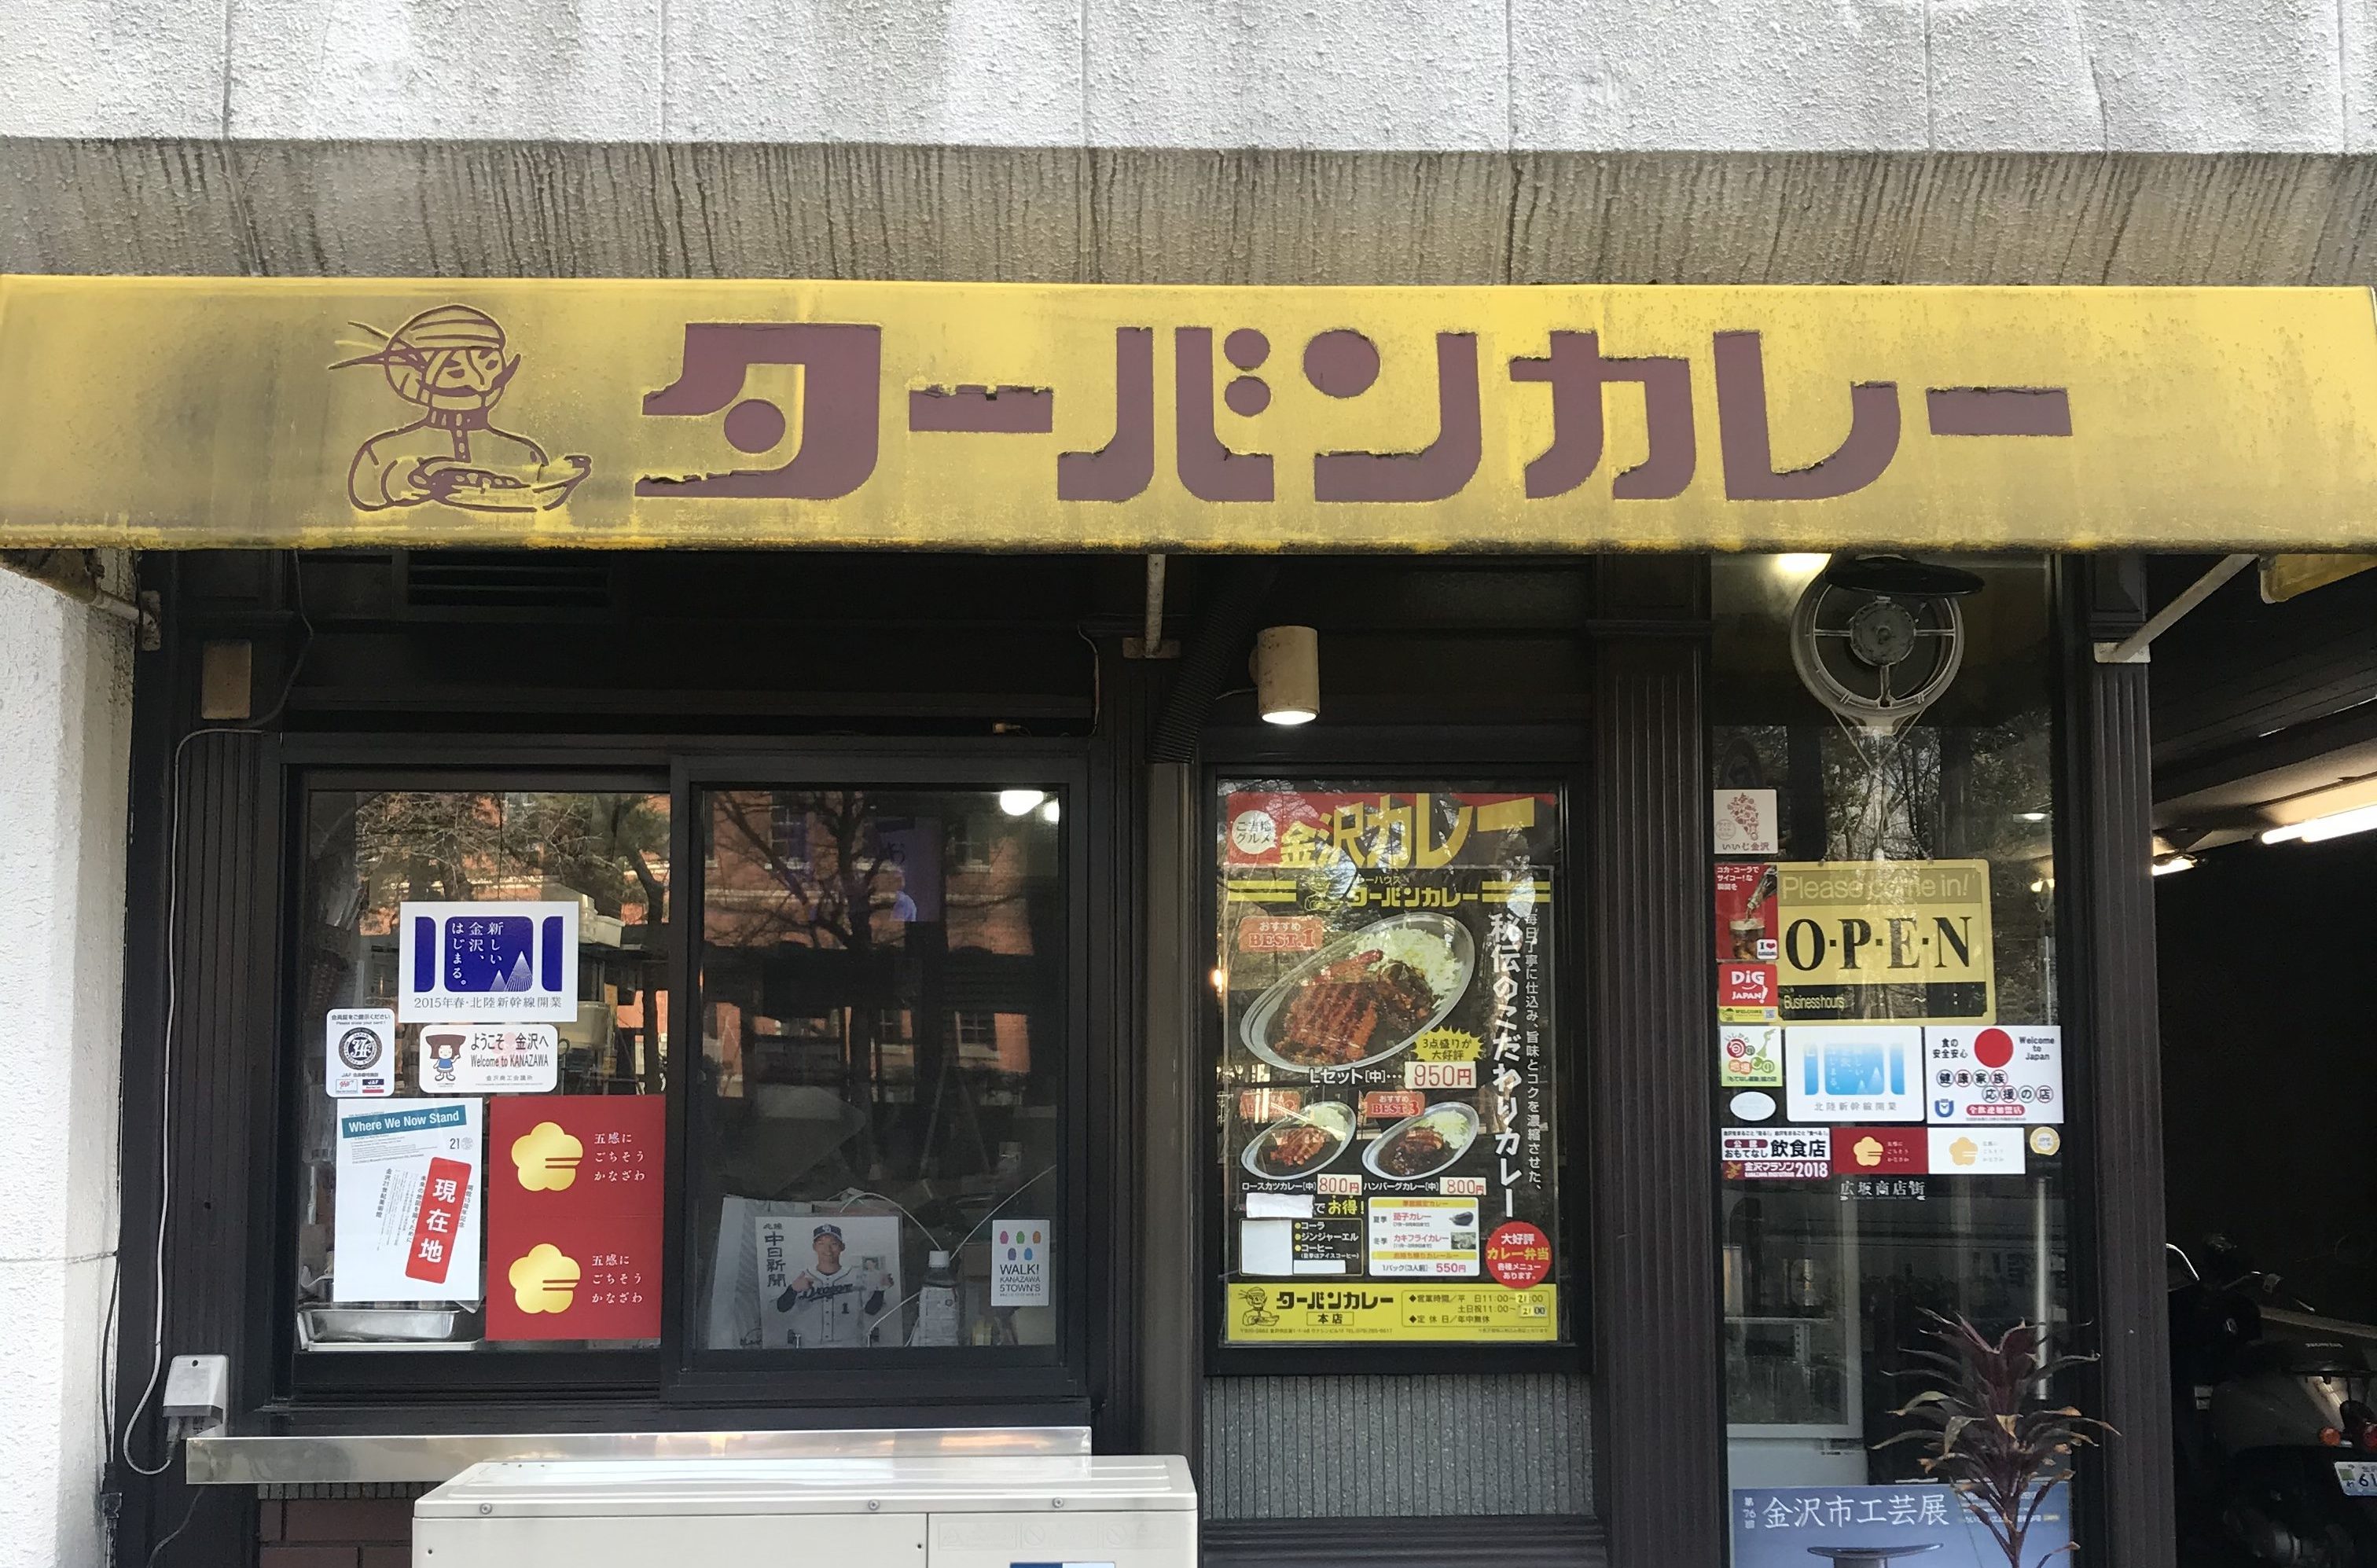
pixel 197 1389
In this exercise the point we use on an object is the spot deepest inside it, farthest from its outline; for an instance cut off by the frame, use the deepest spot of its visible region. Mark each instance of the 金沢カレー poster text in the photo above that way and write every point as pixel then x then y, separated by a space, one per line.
pixel 1389 1101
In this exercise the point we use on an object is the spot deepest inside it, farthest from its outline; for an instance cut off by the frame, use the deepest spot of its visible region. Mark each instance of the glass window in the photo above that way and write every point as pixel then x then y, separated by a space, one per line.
pixel 481 1060
pixel 1891 1117
pixel 1389 1100
pixel 877 1132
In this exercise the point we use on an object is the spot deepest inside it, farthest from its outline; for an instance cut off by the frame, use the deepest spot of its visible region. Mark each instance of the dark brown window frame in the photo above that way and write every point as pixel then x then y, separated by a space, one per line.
pixel 891 1386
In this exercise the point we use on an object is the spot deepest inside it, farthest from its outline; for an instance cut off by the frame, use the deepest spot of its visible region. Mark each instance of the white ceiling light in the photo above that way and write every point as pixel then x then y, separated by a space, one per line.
pixel 1019 802
pixel 2336 824
pixel 2165 865
pixel 1287 674
pixel 1050 811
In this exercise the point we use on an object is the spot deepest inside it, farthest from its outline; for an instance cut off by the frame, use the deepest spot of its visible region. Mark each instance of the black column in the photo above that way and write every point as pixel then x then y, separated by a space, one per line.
pixel 2105 902
pixel 1658 1435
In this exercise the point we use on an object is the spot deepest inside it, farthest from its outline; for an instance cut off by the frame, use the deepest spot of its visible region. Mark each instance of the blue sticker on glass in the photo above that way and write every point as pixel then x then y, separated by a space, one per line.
pixel 487 955
pixel 516 961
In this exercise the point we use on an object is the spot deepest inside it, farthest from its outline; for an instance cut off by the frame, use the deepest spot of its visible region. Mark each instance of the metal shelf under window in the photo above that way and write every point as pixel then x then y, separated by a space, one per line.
pixel 229 1457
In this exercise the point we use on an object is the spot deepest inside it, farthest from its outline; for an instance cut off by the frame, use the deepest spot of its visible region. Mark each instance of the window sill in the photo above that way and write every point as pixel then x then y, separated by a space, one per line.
pixel 417 1447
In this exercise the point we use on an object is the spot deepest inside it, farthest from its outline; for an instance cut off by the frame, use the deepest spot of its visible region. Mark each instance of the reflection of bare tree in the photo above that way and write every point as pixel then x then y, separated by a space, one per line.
pixel 1967 792
pixel 453 844
pixel 1882 794
pixel 833 893
pixel 830 897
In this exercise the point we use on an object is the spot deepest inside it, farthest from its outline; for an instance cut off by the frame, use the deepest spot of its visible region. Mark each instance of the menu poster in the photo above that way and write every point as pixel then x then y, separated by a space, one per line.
pixel 574 1216
pixel 406 1218
pixel 1388 1093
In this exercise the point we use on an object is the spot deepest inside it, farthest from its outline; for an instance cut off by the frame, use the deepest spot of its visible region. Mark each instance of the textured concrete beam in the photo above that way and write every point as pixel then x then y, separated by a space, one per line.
pixel 1510 76
pixel 568 210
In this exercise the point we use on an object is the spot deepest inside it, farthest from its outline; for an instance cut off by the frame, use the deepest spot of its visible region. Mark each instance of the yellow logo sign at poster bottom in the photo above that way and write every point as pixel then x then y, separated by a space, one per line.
pixel 1371 1309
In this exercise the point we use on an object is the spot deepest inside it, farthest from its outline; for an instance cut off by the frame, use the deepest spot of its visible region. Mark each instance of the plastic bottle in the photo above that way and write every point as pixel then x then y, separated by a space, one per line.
pixel 937 1303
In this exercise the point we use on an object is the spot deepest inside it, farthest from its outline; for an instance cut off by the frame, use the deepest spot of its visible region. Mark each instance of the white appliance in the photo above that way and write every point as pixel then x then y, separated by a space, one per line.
pixel 1022 1512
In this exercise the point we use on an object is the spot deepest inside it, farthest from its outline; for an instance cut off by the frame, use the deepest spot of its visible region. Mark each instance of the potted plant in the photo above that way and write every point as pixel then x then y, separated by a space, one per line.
pixel 1986 1433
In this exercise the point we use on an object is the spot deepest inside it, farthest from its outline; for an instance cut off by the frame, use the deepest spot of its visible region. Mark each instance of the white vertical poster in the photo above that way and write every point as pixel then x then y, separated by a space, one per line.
pixel 409 1202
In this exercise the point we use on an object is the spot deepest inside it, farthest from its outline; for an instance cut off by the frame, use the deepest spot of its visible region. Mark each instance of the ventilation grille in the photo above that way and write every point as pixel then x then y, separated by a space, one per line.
pixel 506 580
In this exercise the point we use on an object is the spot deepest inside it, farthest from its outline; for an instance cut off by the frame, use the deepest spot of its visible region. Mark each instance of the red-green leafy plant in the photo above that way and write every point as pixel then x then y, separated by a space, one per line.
pixel 1984 1431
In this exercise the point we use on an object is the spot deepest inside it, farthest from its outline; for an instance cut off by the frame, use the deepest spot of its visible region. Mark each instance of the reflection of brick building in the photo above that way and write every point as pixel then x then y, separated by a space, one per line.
pixel 852 940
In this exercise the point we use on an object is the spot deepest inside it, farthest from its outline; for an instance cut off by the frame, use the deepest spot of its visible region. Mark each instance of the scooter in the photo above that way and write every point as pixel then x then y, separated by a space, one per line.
pixel 2276 1438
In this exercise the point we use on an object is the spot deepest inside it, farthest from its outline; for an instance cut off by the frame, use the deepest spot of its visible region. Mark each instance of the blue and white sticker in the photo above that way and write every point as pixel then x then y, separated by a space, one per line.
pixel 517 962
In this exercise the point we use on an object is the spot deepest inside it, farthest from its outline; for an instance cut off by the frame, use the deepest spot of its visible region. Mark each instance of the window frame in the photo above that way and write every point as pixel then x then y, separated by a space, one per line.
pixel 368 1375
pixel 1547 758
pixel 953 1376
pixel 913 1384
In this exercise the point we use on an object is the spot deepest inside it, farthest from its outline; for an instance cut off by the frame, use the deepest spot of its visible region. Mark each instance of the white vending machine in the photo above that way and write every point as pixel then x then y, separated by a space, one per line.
pixel 938 1511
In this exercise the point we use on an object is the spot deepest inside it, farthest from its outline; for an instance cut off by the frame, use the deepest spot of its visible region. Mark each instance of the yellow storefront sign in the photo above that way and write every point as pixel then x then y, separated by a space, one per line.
pixel 1388 1310
pixel 213 411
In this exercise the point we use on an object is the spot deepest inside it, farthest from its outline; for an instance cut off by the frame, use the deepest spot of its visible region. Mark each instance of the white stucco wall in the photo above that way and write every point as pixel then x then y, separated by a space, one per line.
pixel 1780 75
pixel 65 715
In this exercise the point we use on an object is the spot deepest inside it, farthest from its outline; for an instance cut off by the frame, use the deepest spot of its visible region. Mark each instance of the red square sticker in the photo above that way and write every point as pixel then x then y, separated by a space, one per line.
pixel 1745 985
pixel 574 1187
pixel 1880 1151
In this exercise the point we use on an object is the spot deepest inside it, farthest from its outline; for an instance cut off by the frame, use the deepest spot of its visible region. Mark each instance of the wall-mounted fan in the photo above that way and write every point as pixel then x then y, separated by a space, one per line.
pixel 1878 638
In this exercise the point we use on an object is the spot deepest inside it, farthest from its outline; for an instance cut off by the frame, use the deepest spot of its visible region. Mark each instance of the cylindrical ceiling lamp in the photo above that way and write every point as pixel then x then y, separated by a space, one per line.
pixel 1287 674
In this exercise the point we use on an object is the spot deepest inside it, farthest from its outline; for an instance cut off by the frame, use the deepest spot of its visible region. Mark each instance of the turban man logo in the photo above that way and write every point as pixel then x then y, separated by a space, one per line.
pixel 545 1280
pixel 452 364
pixel 546 1158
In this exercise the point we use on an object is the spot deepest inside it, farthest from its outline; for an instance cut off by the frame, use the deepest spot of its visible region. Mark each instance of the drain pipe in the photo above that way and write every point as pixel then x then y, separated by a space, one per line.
pixel 75 573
